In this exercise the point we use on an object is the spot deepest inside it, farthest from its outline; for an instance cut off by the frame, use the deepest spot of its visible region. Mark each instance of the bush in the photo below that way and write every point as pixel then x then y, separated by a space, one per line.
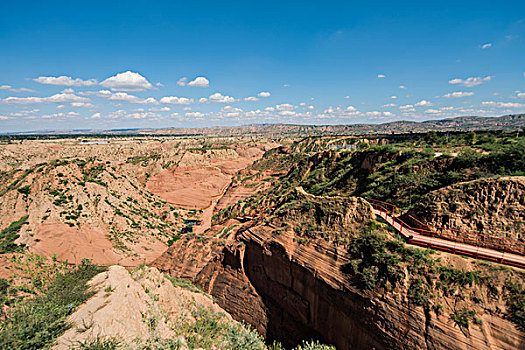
pixel 25 190
pixel 9 234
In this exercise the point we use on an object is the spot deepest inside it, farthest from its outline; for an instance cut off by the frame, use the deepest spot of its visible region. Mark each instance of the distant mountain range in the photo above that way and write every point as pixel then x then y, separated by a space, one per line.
pixel 505 123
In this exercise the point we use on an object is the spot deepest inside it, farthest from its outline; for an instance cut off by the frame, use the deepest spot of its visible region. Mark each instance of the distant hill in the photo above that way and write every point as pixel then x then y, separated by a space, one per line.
pixel 505 123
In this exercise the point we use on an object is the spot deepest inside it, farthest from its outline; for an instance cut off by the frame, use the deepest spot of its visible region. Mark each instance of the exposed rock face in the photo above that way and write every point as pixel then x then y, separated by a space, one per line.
pixel 290 292
pixel 290 286
pixel 494 206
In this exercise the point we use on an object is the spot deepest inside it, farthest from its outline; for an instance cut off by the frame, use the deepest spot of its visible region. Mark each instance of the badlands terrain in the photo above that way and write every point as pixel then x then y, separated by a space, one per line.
pixel 259 241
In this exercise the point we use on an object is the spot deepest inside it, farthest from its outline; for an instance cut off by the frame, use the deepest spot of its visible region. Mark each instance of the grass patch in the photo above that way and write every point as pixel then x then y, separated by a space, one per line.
pixel 35 323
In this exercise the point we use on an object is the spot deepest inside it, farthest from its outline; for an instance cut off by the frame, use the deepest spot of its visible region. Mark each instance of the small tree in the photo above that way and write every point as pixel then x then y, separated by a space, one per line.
pixel 431 137
pixel 471 138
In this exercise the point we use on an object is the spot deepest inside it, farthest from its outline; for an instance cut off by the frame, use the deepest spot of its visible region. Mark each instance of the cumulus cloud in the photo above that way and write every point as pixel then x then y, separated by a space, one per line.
pixel 95 116
pixel 82 105
pixel 220 98
pixel 127 81
pixel 231 112
pixel 57 98
pixel 486 46
pixel 407 108
pixel 174 100
pixel 65 81
pixel 251 98
pixel 470 82
pixel 161 109
pixel 424 103
pixel 402 87
pixel 458 94
pixel 264 94
pixel 393 97
pixel 182 81
pixel 381 76
pixel 200 82
pixel 502 104
pixel 60 115
pixel 10 88
pixel 194 114
pixel 389 105
pixel 285 107
pixel 120 96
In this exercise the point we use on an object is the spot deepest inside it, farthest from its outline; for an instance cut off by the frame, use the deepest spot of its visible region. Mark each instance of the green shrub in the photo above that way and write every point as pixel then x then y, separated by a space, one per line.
pixel 25 189
pixel 9 234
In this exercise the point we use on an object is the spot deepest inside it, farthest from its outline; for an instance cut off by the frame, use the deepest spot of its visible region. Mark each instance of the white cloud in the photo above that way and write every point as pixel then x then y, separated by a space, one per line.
pixel 68 91
pixel 95 116
pixel 389 105
pixel 381 76
pixel 174 100
pixel 264 94
pixel 269 109
pixel 60 115
pixel 424 103
pixel 194 114
pixel 120 96
pixel 127 81
pixel 10 88
pixel 182 81
pixel 407 108
pixel 393 97
pixel 502 104
pixel 203 100
pixel 388 114
pixel 251 98
pixel 231 112
pixel 402 87
pixel 285 107
pixel 458 94
pixel 65 81
pixel 347 96
pixel 57 98
pixel 62 106
pixel 486 46
pixel 470 82
pixel 200 82
pixel 287 113
pixel 82 105
pixel 219 98
pixel 161 109
pixel 3 117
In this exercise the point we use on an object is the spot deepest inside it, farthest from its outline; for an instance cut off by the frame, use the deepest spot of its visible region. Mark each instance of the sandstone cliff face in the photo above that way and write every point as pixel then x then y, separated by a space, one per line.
pixel 290 286
pixel 493 206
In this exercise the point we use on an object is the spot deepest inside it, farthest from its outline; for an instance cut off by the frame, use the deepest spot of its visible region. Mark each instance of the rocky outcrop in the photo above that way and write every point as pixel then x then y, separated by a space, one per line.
pixel 291 291
pixel 490 206
pixel 290 285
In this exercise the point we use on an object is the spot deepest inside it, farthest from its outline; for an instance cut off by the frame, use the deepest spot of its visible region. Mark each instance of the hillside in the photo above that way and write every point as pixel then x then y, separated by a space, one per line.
pixel 456 124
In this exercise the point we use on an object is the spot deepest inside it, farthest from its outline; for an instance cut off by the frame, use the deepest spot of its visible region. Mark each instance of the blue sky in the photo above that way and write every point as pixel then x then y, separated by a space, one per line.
pixel 112 64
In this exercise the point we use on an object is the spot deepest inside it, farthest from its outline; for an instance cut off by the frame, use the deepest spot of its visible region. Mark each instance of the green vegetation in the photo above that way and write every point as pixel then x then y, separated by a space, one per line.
pixel 24 189
pixel 9 234
pixel 515 298
pixel 143 160
pixel 35 323
pixel 462 318
pixel 372 264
